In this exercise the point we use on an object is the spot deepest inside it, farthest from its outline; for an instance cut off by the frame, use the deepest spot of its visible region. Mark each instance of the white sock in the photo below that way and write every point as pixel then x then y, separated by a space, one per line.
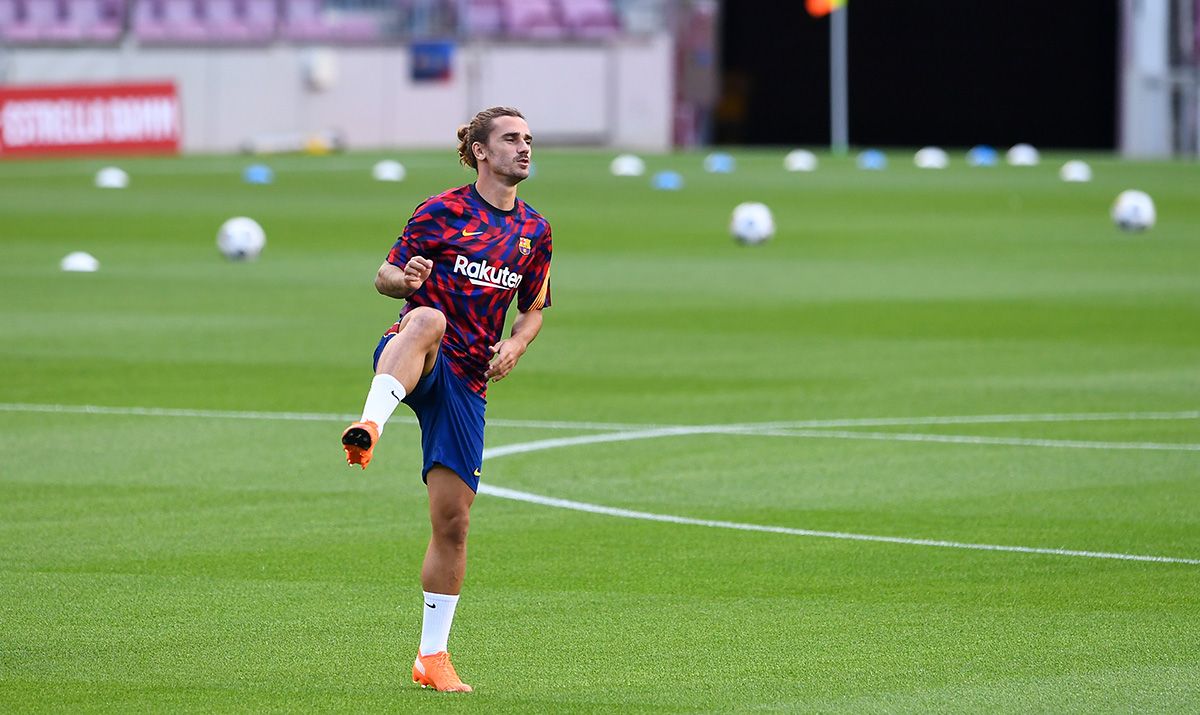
pixel 383 399
pixel 435 627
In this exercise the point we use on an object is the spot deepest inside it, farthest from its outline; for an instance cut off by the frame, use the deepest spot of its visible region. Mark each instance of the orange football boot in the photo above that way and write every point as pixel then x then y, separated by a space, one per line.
pixel 359 442
pixel 436 671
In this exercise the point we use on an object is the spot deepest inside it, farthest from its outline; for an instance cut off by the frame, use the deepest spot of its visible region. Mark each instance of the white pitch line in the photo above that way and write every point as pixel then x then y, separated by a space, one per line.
pixel 629 436
pixel 651 432
pixel 540 445
pixel 738 428
pixel 285 416
pixel 628 432
pixel 986 419
pixel 516 495
pixel 679 431
pixel 616 432
pixel 976 439
pixel 176 412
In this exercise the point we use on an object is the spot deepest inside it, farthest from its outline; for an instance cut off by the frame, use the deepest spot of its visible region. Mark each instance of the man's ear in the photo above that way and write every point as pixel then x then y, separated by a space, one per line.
pixel 478 150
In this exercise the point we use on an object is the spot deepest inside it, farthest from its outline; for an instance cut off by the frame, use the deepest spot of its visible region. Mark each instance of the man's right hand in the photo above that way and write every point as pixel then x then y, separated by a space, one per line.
pixel 398 282
pixel 416 271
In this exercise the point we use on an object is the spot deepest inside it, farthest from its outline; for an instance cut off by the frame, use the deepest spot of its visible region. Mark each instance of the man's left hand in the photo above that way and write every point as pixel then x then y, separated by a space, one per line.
pixel 505 355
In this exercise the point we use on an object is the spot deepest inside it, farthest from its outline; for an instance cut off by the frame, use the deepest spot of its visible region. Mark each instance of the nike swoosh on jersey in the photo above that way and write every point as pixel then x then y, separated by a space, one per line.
pixel 471 233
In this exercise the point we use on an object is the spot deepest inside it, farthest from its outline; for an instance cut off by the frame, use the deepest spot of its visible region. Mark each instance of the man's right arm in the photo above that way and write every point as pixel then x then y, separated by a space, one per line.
pixel 397 282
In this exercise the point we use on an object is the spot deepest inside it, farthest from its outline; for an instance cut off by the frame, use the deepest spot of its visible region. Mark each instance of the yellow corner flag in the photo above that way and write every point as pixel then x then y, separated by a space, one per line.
pixel 821 8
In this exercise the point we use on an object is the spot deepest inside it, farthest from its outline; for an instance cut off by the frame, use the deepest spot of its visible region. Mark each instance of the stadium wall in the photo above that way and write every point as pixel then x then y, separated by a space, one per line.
pixel 615 94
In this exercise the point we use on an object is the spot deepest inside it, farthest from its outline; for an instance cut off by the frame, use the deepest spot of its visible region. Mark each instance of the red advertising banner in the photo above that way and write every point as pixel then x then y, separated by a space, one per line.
pixel 90 119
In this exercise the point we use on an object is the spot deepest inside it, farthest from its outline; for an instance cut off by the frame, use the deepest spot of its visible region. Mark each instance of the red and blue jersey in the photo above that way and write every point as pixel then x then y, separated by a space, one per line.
pixel 483 258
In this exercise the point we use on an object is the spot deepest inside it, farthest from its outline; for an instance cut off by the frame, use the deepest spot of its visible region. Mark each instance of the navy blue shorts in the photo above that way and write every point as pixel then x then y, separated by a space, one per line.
pixel 451 419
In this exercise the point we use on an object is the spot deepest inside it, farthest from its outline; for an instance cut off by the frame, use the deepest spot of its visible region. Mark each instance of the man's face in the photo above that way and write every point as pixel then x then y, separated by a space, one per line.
pixel 508 149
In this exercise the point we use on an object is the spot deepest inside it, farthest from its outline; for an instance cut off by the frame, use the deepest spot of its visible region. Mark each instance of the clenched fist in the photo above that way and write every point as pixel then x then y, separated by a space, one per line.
pixel 416 271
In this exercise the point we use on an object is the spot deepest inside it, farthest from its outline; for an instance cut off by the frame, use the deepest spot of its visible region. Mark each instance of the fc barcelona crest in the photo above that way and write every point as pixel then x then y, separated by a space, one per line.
pixel 523 246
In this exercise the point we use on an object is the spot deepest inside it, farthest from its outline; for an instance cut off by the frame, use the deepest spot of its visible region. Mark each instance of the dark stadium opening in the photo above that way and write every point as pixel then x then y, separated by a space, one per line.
pixel 923 72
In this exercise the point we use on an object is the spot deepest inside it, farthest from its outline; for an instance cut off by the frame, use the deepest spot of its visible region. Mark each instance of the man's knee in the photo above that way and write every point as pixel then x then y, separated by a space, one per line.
pixel 450 526
pixel 426 322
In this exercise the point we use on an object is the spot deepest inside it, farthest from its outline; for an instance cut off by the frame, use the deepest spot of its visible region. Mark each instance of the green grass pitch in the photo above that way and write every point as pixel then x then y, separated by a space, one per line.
pixel 201 546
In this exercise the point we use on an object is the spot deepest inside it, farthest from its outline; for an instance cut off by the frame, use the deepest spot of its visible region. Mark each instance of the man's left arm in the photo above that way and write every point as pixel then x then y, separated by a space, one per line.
pixel 506 353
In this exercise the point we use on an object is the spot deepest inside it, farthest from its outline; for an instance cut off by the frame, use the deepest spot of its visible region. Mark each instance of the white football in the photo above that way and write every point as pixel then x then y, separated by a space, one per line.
pixel 627 165
pixel 388 170
pixel 800 160
pixel 1133 211
pixel 1023 155
pixel 931 157
pixel 241 239
pixel 1075 171
pixel 752 223
pixel 79 262
pixel 110 177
